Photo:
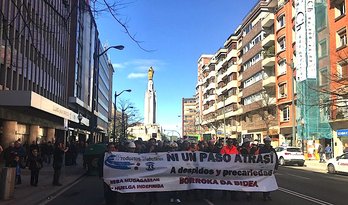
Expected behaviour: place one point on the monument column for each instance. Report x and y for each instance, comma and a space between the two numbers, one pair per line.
9, 133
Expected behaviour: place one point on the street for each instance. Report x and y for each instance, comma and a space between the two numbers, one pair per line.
296, 186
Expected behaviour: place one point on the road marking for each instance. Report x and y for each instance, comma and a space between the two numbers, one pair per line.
308, 198
299, 176
50, 198
208, 202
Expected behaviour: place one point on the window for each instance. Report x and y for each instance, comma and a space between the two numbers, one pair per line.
323, 76
282, 90
342, 70
281, 44
340, 9
281, 67
341, 38
285, 114
322, 49
281, 21
247, 29
321, 16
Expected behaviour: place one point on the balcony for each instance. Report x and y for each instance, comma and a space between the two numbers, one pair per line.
232, 84
268, 41
267, 62
269, 82
268, 20
232, 69
210, 86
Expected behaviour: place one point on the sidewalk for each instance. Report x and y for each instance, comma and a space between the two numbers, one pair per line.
29, 195
312, 165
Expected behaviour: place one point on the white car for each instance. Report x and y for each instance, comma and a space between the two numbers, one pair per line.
290, 155
338, 164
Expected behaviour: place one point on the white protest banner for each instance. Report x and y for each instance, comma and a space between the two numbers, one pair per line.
156, 172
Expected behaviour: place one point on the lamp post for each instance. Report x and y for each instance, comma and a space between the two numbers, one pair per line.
79, 117
302, 134
123, 122
115, 111
96, 83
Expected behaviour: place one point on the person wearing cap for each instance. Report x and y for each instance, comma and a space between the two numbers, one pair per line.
131, 147
267, 148
254, 149
245, 149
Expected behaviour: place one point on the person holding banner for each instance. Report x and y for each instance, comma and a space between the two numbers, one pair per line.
267, 148
109, 195
245, 149
230, 148
174, 195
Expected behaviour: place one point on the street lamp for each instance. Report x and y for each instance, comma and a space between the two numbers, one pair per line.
115, 111
123, 123
302, 133
96, 83
118, 47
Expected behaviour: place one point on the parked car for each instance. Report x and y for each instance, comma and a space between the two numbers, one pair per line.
290, 155
338, 164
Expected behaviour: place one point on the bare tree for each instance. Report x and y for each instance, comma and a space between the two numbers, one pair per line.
266, 109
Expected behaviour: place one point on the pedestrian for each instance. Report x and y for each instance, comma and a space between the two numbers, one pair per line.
34, 163
267, 148
345, 148
8, 156
230, 148
110, 196
58, 155
49, 153
174, 195
244, 150
328, 152
16, 164
321, 152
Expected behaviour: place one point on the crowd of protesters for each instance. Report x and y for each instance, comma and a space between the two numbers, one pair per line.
34, 156
232, 146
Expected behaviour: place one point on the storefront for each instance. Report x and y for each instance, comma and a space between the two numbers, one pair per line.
342, 142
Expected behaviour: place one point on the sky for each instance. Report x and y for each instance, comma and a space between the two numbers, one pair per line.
177, 32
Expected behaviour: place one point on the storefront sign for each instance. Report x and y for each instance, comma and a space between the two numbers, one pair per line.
342, 133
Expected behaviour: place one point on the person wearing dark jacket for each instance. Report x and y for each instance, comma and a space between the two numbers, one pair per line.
35, 164
58, 155
109, 195
267, 148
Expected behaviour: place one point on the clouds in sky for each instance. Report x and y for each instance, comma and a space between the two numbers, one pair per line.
139, 67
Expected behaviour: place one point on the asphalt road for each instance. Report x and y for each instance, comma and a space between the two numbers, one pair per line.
296, 186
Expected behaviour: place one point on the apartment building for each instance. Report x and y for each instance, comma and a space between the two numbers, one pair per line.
257, 72
188, 117
203, 61
335, 75
284, 48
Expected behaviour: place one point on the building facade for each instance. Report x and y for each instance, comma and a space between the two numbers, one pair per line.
291, 76
51, 77
188, 117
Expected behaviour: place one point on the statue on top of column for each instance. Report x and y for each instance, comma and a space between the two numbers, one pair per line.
150, 73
